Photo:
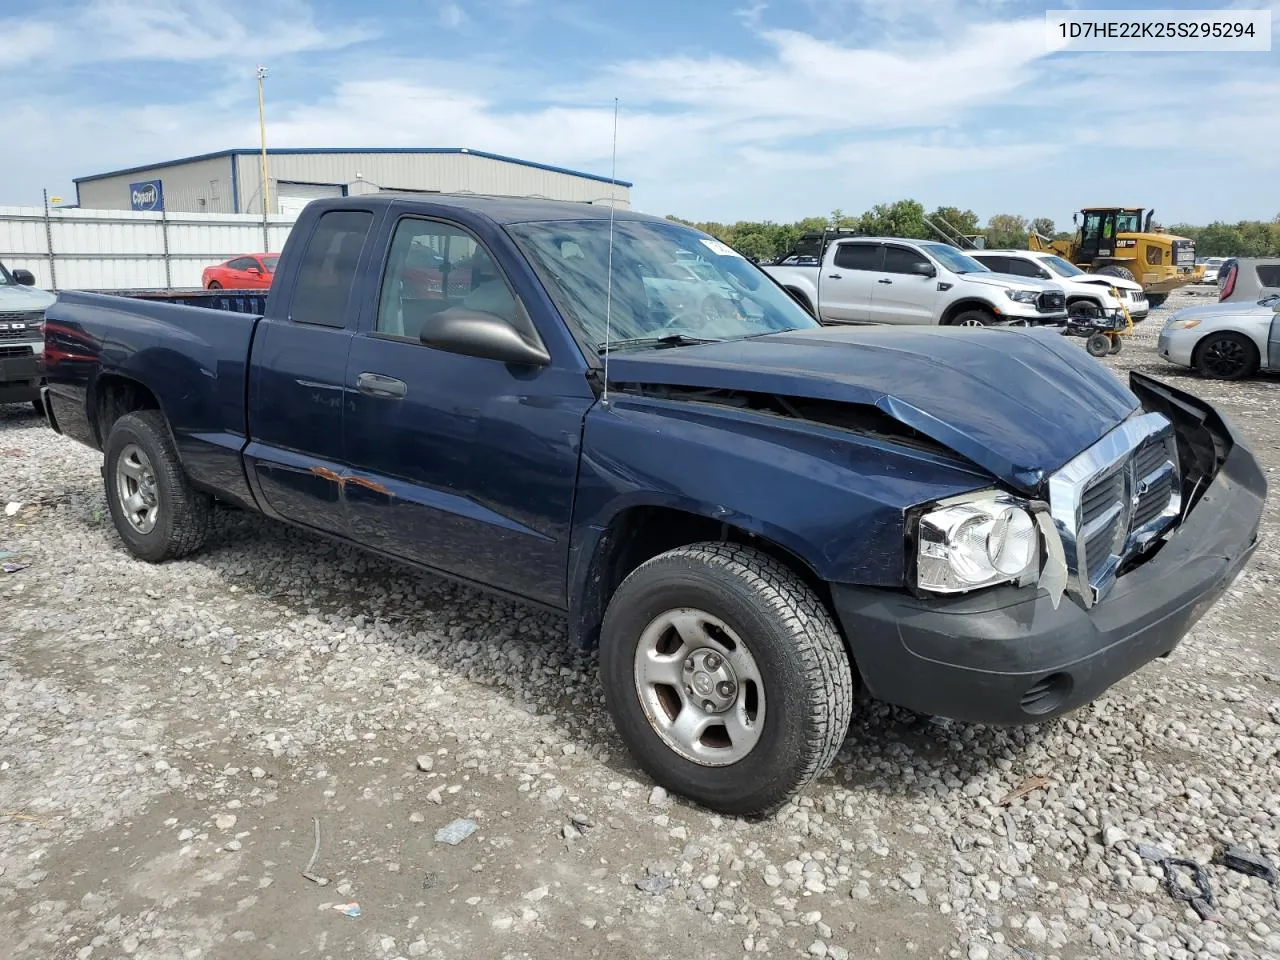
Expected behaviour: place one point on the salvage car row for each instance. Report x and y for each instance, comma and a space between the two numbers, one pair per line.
618, 418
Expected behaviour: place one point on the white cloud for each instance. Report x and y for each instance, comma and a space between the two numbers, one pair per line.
980, 117
452, 16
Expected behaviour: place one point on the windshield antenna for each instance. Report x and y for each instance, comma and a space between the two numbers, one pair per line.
608, 283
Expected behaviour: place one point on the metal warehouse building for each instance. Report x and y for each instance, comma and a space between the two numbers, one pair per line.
231, 181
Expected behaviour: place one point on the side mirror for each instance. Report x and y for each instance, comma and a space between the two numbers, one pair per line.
24, 277
475, 334
254, 270
924, 270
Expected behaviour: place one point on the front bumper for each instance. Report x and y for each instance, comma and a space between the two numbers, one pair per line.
1177, 346
20, 378
1005, 657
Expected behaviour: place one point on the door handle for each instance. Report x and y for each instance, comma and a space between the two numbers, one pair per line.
885, 280
376, 385
835, 276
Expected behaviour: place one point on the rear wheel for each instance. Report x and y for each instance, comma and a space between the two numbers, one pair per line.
1098, 345
972, 318
156, 511
1113, 271
1226, 356
725, 676
1116, 344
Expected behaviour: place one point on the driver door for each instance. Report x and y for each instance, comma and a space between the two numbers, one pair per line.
460, 463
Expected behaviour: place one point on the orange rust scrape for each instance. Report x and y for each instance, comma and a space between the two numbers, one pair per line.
326, 474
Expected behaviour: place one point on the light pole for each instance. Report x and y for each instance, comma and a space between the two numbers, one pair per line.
262, 134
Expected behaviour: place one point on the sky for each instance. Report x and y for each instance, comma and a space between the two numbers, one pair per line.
728, 109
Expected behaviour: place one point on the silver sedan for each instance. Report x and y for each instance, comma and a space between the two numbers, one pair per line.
1225, 341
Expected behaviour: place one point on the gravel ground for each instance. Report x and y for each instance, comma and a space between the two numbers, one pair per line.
171, 736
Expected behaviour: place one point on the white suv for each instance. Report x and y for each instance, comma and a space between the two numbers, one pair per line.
1081, 287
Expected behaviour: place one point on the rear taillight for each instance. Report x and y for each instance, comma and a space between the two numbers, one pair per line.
1228, 284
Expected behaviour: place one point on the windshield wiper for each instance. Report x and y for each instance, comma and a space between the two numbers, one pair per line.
670, 340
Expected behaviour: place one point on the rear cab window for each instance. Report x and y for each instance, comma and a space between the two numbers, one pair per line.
859, 256
327, 272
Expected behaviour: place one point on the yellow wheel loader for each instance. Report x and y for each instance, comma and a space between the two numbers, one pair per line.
1117, 242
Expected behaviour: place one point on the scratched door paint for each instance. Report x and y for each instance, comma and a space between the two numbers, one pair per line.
296, 388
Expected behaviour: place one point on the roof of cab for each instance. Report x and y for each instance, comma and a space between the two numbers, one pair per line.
503, 210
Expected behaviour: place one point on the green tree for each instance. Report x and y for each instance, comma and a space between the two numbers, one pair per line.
1006, 230
902, 218
1043, 225
964, 222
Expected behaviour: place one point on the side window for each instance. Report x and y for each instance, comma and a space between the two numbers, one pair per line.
435, 267
903, 260
992, 262
1024, 268
242, 263
858, 256
1268, 275
328, 269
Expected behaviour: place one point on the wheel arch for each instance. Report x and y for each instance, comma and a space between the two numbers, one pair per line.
111, 396
640, 531
960, 306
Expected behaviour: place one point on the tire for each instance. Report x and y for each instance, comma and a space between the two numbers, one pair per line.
1116, 345
1084, 308
1226, 356
1156, 299
972, 318
1123, 272
214, 285
1098, 345
38, 406
151, 471
802, 682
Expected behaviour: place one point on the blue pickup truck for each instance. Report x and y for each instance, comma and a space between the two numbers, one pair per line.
753, 516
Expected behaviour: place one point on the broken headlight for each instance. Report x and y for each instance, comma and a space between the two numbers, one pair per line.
977, 541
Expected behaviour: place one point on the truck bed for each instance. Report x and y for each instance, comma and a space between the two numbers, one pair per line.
189, 348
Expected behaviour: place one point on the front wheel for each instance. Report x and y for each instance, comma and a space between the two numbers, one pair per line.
726, 676
214, 285
973, 318
1116, 344
1156, 299
156, 511
1226, 356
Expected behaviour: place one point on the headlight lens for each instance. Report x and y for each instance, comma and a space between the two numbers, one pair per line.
977, 542
1023, 296
1183, 324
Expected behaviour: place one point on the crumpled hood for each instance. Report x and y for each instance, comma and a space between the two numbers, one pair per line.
19, 299
993, 279
1018, 402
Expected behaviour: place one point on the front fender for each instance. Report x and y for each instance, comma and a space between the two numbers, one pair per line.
832, 497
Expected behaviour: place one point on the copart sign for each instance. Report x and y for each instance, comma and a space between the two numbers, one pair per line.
146, 195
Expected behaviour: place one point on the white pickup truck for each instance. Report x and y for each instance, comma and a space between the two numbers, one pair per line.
890, 280
22, 309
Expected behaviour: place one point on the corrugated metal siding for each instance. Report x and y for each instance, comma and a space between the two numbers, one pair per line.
185, 186
96, 249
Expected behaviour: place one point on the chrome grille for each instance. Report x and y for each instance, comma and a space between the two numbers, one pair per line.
1115, 499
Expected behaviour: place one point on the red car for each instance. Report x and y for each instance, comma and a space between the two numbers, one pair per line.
253, 271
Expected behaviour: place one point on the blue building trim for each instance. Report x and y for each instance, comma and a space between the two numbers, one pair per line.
235, 183
297, 151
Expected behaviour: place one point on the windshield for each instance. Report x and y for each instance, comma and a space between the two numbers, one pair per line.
953, 259
657, 291
1062, 267
270, 263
